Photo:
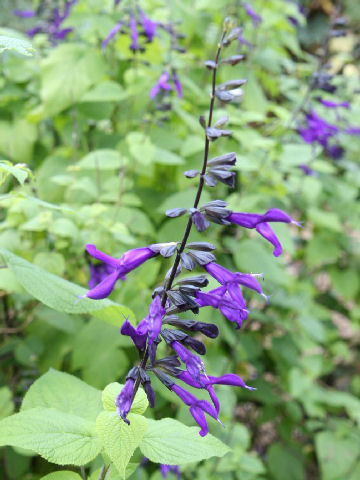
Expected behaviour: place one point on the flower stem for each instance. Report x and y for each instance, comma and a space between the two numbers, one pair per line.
196, 203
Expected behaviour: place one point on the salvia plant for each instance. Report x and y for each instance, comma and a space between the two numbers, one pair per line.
181, 294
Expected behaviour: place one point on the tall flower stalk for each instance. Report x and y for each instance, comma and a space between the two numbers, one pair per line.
185, 294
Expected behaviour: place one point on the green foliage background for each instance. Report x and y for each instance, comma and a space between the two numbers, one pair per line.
87, 158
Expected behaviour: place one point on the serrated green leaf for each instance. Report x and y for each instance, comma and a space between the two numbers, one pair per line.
61, 294
119, 439
19, 45
64, 392
59, 437
112, 390
170, 442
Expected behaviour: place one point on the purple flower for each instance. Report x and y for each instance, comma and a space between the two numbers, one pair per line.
148, 25
198, 408
256, 19
260, 222
234, 309
334, 151
24, 13
98, 273
353, 131
165, 469
307, 170
111, 34
120, 267
208, 382
123, 400
330, 104
161, 85
177, 84
134, 35
317, 130
193, 363
198, 220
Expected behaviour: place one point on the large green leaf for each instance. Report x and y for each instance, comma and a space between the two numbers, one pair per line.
59, 437
169, 441
61, 294
104, 159
64, 392
119, 439
63, 475
19, 45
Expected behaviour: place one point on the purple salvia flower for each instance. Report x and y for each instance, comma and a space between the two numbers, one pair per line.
24, 13
127, 262
197, 408
331, 104
33, 31
111, 34
353, 131
334, 151
208, 382
260, 222
256, 19
177, 84
123, 400
307, 170
98, 273
165, 469
154, 323
193, 363
148, 25
134, 35
318, 130
138, 335
160, 85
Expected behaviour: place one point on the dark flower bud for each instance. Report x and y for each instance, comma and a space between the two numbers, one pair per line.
210, 181
231, 84
188, 289
202, 121
233, 60
214, 133
168, 251
209, 329
171, 362
232, 35
223, 96
214, 203
170, 336
204, 246
340, 22
202, 258
191, 173
168, 273
337, 33
199, 281
223, 176
216, 211
157, 247
227, 159
187, 262
158, 291
133, 373
175, 212
198, 219
211, 65
146, 383
164, 378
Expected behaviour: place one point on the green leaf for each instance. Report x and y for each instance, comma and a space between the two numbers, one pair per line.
61, 294
112, 390
16, 44
20, 172
105, 159
67, 74
105, 92
169, 441
59, 437
336, 455
6, 404
119, 439
165, 157
325, 219
141, 148
64, 392
63, 475
284, 464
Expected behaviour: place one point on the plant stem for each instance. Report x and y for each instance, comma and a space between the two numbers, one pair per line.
196, 203
103, 472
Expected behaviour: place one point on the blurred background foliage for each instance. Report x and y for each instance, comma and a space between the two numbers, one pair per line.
97, 161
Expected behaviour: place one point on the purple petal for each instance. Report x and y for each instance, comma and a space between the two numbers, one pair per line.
104, 288
229, 379
111, 34
24, 13
221, 274
200, 419
138, 335
134, 258
247, 220
267, 232
123, 400
94, 252
330, 104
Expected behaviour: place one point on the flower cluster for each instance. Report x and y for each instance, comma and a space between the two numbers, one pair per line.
49, 21
186, 294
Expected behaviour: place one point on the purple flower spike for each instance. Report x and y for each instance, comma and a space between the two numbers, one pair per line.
165, 469
24, 13
255, 220
256, 19
111, 34
317, 130
123, 400
138, 335
161, 85
197, 408
120, 267
148, 25
353, 131
134, 35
